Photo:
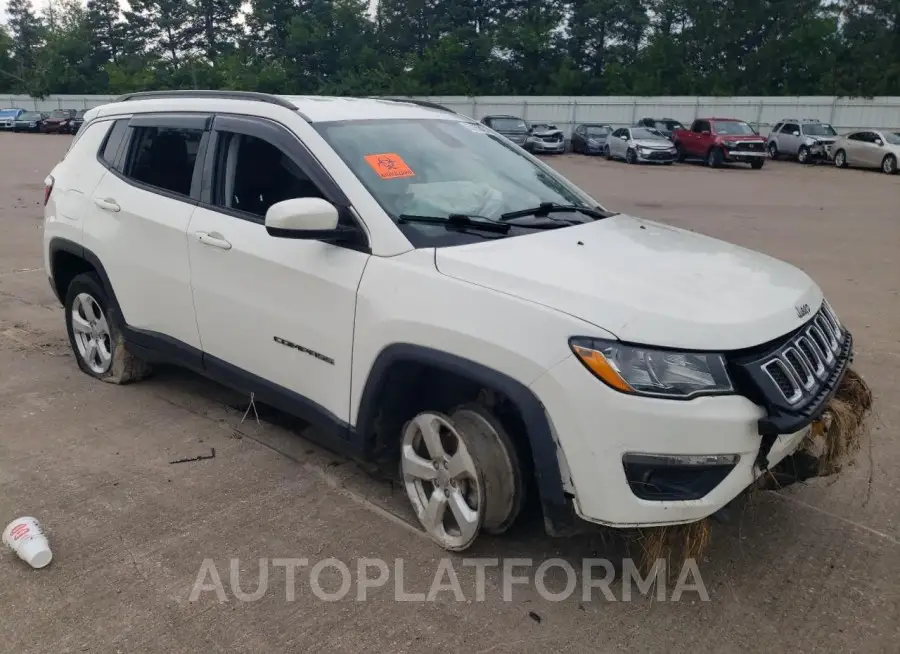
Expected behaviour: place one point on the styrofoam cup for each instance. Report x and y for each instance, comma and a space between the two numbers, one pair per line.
25, 537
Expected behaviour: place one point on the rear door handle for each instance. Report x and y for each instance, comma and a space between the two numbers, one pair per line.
107, 204
215, 240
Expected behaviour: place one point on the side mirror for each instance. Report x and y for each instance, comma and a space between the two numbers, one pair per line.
796, 133
624, 137
303, 218
706, 132
879, 142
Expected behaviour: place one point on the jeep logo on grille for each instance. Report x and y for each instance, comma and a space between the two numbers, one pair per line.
802, 310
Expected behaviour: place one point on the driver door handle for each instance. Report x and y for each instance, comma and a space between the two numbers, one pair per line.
107, 204
213, 239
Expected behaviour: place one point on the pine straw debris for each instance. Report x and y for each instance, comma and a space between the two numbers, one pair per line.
832, 443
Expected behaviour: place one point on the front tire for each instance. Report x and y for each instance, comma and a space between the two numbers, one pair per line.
803, 154
889, 165
461, 474
840, 159
680, 156
608, 153
756, 165
631, 157
714, 159
96, 339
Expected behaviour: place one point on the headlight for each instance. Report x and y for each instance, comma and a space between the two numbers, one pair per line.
658, 373
645, 150
593, 143
729, 145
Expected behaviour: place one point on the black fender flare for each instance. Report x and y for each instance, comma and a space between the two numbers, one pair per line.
558, 513
58, 244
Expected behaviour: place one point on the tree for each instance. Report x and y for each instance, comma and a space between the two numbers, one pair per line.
27, 37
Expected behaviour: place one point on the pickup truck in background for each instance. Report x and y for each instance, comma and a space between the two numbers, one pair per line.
721, 140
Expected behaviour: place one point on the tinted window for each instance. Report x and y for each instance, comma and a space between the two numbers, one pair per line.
790, 128
114, 142
701, 126
511, 124
164, 157
642, 133
777, 127
819, 129
252, 175
734, 128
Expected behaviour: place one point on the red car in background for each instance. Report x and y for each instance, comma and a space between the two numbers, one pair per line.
60, 121
720, 140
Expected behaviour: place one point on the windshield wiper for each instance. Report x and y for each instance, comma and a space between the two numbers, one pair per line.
459, 220
544, 209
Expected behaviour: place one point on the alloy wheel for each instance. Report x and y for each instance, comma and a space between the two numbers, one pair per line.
442, 481
889, 165
91, 331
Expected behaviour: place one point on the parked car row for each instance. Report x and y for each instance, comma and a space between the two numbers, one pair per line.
714, 141
58, 121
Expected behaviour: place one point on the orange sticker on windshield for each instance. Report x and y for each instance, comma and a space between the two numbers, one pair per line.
389, 165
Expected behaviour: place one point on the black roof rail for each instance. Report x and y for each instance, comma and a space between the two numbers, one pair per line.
222, 95
421, 103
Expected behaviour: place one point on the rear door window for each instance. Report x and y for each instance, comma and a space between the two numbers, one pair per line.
164, 157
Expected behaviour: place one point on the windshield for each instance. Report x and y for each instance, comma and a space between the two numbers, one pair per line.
819, 129
640, 133
8, 112
732, 127
509, 124
892, 137
598, 130
429, 167
59, 113
29, 115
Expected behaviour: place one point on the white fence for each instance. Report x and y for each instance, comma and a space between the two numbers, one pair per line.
845, 114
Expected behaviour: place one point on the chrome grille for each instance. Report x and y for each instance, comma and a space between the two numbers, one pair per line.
802, 363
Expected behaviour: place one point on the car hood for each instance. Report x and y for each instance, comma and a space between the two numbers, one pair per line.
547, 132
644, 282
654, 144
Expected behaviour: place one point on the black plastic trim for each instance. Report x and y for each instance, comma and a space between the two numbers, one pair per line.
204, 94
558, 513
179, 120
61, 244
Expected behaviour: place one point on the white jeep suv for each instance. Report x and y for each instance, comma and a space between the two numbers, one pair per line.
432, 296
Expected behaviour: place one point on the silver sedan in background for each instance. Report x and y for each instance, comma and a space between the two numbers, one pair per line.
640, 144
868, 149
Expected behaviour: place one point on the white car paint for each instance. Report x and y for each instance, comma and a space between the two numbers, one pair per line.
510, 305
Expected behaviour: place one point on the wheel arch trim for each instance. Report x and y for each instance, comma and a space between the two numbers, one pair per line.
547, 474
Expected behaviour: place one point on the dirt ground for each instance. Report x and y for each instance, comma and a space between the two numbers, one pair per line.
811, 569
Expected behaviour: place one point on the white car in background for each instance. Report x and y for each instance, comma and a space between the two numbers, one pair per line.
640, 145
434, 298
868, 149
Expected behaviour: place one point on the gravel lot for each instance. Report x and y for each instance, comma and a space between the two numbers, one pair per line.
811, 569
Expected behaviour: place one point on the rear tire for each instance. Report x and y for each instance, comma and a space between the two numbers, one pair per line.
889, 165
95, 336
840, 159
608, 153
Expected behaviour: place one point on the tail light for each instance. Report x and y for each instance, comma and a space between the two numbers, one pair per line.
48, 188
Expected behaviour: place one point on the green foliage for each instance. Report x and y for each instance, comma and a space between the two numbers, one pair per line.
455, 47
